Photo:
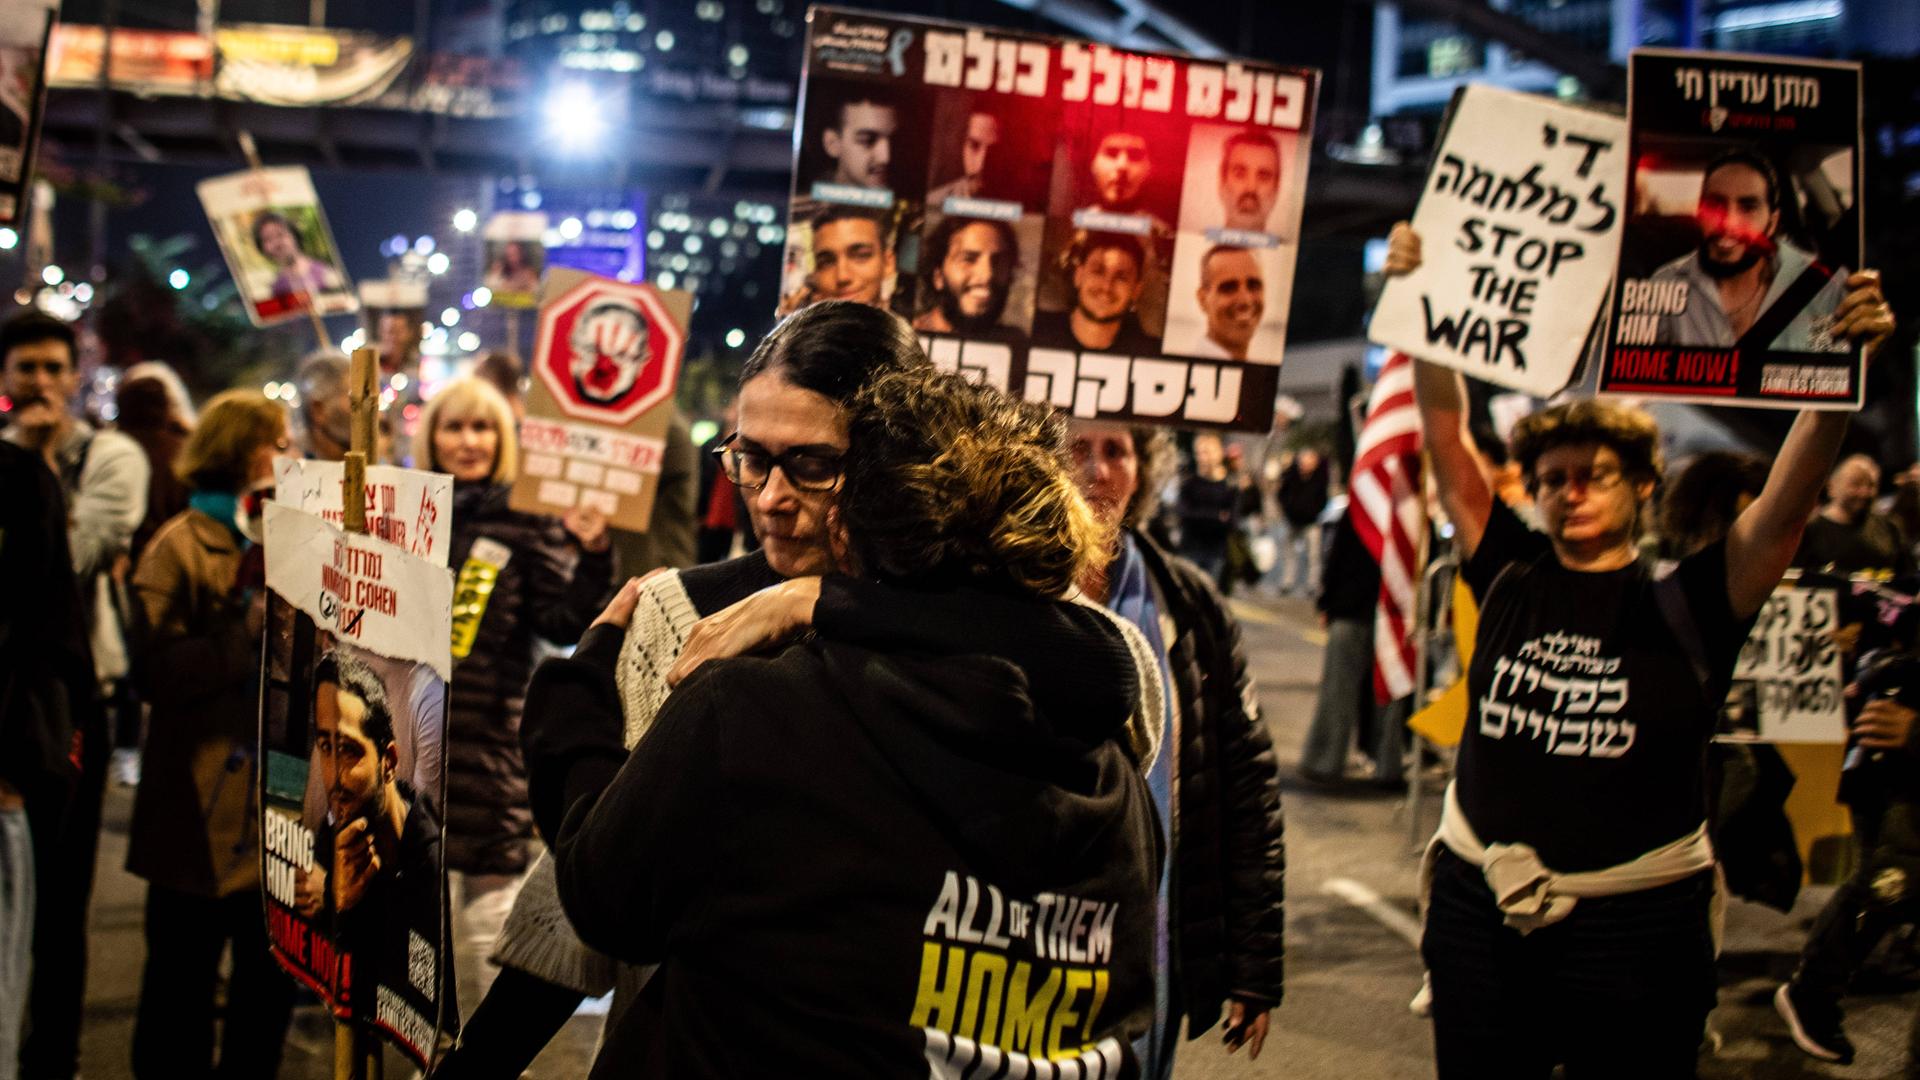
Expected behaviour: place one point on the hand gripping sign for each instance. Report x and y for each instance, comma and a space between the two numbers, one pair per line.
606, 362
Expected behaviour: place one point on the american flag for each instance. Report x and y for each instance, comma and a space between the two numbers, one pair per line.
1388, 512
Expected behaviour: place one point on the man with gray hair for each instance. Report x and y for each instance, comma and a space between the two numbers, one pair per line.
326, 422
1847, 536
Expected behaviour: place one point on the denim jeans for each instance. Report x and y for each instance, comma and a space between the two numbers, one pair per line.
1296, 562
16, 934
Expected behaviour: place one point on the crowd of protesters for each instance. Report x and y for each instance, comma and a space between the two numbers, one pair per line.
896, 650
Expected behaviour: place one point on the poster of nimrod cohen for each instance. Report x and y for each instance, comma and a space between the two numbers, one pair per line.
1744, 222
352, 733
1109, 230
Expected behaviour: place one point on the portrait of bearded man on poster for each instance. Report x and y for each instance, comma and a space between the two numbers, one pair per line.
1745, 266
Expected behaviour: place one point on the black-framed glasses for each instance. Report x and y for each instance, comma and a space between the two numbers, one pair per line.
750, 467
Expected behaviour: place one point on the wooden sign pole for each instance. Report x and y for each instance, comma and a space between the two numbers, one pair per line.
355, 1055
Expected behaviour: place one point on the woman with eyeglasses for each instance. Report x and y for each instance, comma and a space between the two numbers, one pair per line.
518, 577
787, 455
194, 835
910, 843
1570, 889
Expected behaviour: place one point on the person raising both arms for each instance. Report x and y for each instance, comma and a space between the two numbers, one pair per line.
1569, 891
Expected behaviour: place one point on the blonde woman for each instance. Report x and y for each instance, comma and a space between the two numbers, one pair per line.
194, 836
520, 577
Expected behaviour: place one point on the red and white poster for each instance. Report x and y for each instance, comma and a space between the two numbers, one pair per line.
1108, 230
606, 361
352, 796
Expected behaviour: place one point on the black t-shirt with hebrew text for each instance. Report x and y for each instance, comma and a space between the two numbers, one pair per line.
1586, 725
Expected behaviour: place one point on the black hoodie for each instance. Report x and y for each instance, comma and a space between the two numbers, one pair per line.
908, 844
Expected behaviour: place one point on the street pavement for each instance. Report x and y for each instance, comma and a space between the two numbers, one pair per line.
1351, 962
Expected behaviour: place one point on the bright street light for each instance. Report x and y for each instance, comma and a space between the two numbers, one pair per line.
464, 220
574, 116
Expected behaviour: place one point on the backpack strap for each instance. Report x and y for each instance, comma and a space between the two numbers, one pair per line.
1672, 598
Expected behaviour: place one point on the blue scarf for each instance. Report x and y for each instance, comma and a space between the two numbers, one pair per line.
221, 506
1130, 596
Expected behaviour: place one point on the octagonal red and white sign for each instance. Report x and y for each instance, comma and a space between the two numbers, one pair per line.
608, 351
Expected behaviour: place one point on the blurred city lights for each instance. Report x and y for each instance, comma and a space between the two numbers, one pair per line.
482, 296
53, 275
465, 220
179, 279
8, 239
450, 317
438, 262
736, 337
570, 228
469, 341
424, 245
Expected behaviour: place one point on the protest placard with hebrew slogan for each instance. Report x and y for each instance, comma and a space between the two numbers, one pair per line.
1520, 229
352, 795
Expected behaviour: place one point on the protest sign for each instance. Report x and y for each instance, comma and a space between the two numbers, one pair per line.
277, 244
353, 737
1745, 224
25, 28
1789, 678
606, 361
409, 508
1520, 229
515, 257
1109, 230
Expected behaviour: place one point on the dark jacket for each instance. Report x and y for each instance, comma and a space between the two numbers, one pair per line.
1350, 578
548, 588
46, 668
1229, 855
1302, 495
831, 849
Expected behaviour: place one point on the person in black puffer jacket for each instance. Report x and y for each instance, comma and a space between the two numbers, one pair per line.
1216, 773
519, 577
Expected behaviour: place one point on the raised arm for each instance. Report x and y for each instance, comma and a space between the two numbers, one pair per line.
1765, 535
1442, 398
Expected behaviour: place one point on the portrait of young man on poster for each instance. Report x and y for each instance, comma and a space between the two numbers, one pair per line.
970, 278
381, 855
849, 256
1109, 272
1746, 282
857, 134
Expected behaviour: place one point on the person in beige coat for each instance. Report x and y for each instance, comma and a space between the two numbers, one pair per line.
195, 834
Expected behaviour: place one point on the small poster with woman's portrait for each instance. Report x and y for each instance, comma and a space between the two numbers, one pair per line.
515, 257
277, 244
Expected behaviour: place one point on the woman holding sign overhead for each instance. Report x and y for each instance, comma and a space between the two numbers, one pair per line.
518, 577
1570, 899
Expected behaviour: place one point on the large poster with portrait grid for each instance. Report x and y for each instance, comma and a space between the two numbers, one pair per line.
1109, 230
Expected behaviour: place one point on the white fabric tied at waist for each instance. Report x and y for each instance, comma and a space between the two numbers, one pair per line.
1531, 895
